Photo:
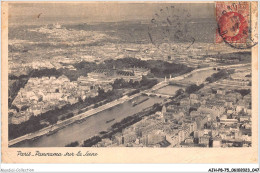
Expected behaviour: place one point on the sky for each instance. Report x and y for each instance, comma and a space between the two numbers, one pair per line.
100, 11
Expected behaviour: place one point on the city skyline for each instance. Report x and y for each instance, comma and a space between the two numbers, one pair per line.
39, 13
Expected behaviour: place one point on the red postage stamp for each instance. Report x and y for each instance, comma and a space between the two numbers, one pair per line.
233, 23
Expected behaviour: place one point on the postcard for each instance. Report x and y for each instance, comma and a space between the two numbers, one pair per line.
130, 82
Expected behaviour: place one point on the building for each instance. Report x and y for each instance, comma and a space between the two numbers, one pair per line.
153, 138
221, 92
118, 139
129, 137
204, 140
217, 142
21, 117
228, 121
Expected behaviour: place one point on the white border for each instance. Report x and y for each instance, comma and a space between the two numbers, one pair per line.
123, 167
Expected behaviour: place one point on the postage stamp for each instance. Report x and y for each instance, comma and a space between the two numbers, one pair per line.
234, 24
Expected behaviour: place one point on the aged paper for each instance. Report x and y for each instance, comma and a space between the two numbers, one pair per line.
129, 82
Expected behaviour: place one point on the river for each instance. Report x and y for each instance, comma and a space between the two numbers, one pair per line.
199, 77
168, 90
98, 122
92, 125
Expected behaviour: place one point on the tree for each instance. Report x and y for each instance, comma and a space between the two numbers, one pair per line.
243, 92
179, 92
216, 76
70, 115
193, 88
192, 109
15, 107
80, 99
24, 108
101, 92
72, 144
10, 114
30, 128
210, 79
150, 75
131, 83
136, 84
53, 119
40, 99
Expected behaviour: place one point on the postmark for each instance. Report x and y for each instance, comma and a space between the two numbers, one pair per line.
235, 26
169, 30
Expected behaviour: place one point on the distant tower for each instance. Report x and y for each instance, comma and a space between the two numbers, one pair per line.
114, 70
170, 76
165, 79
134, 70
163, 110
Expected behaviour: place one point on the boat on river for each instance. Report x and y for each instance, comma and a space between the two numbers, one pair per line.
135, 103
108, 121
51, 132
80, 121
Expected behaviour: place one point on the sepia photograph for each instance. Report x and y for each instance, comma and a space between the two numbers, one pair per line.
130, 75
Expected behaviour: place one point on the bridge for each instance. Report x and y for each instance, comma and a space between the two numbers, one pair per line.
170, 82
159, 85
157, 94
180, 83
177, 80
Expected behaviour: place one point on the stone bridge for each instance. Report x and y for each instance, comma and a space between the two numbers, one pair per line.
157, 94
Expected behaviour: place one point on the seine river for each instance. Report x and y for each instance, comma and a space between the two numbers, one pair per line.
103, 120
92, 125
